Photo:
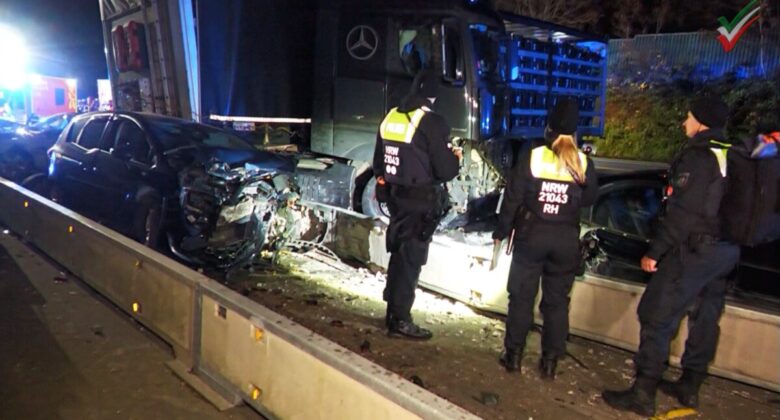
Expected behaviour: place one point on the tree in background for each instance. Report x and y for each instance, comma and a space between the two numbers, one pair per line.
662, 14
578, 14
629, 17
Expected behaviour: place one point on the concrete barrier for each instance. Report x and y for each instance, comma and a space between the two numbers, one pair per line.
602, 309
228, 347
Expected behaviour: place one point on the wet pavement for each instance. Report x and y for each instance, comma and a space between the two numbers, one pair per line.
67, 353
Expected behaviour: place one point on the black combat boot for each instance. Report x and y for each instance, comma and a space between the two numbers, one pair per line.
640, 398
399, 328
510, 359
547, 367
686, 389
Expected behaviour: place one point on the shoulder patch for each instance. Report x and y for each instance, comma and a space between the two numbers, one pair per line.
681, 180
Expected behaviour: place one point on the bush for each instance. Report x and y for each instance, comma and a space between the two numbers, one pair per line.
645, 122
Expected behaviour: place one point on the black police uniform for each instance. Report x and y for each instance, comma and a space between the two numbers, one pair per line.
412, 154
693, 264
542, 203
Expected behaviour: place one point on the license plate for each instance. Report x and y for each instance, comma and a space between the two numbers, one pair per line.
243, 126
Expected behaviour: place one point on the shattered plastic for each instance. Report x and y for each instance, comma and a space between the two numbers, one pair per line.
226, 213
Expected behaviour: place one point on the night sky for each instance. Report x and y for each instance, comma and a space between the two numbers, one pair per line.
63, 36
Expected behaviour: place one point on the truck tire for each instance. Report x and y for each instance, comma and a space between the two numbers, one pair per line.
368, 202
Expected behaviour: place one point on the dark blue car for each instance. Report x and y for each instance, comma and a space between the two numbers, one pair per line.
202, 191
23, 147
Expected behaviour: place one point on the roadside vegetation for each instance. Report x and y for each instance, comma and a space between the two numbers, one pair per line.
643, 121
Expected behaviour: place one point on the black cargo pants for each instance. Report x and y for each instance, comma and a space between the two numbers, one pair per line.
408, 239
690, 280
549, 252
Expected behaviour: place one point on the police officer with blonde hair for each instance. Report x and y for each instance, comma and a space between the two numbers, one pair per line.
413, 159
545, 191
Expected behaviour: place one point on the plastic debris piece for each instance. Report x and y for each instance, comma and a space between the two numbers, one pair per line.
489, 398
418, 381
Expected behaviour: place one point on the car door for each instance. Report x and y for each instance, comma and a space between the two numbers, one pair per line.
622, 221
74, 163
123, 166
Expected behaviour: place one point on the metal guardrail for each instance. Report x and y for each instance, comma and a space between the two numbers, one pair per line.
228, 347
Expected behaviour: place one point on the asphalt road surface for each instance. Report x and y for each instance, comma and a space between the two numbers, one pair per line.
67, 353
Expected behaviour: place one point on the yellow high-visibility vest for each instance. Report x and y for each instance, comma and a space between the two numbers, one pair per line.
400, 126
544, 165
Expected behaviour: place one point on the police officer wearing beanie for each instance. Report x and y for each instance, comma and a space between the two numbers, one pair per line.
689, 263
413, 159
545, 191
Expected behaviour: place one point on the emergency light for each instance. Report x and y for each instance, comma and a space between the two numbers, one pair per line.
13, 56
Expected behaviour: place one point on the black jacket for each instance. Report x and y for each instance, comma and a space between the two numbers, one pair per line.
696, 185
432, 138
519, 192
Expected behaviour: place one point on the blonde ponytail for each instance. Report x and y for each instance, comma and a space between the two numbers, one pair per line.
565, 148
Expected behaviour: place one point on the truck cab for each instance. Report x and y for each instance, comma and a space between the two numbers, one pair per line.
500, 73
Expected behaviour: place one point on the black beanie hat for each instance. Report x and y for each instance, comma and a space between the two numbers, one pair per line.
562, 119
710, 111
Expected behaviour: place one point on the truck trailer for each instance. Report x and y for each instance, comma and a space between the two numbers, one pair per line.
330, 70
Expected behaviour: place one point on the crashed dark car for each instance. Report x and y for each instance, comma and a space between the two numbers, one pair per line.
23, 152
618, 225
201, 192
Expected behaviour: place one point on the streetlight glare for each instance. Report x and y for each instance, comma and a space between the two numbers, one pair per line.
13, 55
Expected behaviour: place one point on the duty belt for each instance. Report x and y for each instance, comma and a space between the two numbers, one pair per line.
415, 193
703, 238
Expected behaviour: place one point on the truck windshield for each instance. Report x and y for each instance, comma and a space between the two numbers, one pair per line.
173, 134
486, 53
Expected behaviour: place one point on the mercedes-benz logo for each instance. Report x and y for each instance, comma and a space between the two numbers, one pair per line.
362, 42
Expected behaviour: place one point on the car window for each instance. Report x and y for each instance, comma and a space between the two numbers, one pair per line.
92, 133
629, 210
130, 136
7, 124
54, 122
75, 129
173, 134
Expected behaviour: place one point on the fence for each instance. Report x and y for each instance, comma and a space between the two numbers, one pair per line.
695, 57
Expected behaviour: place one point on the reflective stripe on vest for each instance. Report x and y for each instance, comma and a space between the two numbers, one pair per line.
544, 164
397, 125
720, 155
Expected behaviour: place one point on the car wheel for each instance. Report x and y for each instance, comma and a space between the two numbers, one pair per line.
16, 165
372, 207
146, 225
39, 184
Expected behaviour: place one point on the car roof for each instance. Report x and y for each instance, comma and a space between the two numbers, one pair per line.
641, 175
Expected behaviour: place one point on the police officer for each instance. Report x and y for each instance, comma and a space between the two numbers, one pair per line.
689, 265
413, 159
545, 191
